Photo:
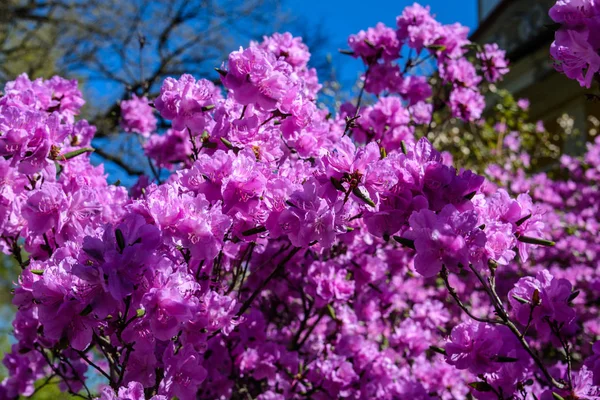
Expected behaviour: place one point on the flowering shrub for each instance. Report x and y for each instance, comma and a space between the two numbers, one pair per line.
290, 253
568, 197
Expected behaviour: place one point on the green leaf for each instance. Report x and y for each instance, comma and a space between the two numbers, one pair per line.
520, 299
369, 43
438, 350
120, 239
86, 311
331, 312
557, 396
522, 220
574, 295
541, 242
436, 47
39, 272
337, 184
59, 169
254, 231
503, 359
405, 242
140, 312
208, 107
472, 46
227, 143
346, 52
75, 153
481, 386
358, 193
385, 343
382, 152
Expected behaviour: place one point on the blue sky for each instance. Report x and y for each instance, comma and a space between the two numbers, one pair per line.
340, 18
343, 17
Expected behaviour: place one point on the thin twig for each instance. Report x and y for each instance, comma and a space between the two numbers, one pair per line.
452, 291
350, 121
264, 283
90, 362
312, 328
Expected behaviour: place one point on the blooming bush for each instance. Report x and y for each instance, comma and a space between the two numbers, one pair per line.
568, 197
292, 251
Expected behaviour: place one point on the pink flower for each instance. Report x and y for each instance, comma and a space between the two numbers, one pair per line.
446, 239
575, 56
256, 77
551, 301
183, 373
137, 116
493, 62
466, 104
375, 43
170, 303
45, 208
287, 46
186, 102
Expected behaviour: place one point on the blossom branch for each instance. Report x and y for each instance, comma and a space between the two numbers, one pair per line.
499, 307
444, 275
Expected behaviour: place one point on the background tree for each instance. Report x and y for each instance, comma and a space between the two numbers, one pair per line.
117, 48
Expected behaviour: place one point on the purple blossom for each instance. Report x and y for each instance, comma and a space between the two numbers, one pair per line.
183, 373
523, 104
375, 43
417, 27
185, 102
475, 346
460, 72
291, 48
170, 303
331, 284
493, 62
575, 45
45, 208
309, 219
544, 298
466, 104
137, 116
256, 77
133, 391
446, 238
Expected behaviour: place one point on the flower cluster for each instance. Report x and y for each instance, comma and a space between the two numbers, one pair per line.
575, 47
290, 254
570, 205
137, 116
392, 120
